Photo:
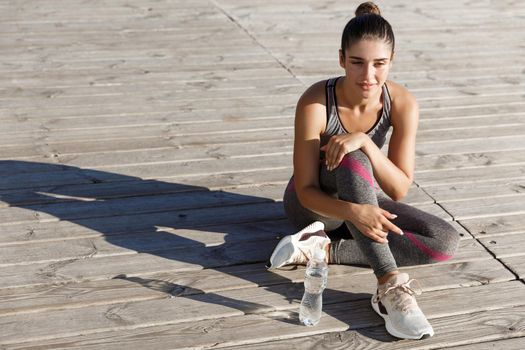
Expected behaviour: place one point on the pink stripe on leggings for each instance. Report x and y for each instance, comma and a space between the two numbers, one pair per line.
355, 166
437, 256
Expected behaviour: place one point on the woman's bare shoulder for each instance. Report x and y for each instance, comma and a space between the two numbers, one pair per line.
311, 109
400, 96
314, 94
404, 105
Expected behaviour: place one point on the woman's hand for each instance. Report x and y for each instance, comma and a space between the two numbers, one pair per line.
339, 146
374, 222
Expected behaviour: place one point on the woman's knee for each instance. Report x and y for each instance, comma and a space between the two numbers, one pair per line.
357, 164
447, 239
452, 238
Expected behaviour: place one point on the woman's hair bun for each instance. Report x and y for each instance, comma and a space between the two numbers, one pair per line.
367, 8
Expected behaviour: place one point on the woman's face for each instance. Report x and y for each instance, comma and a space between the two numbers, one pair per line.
366, 64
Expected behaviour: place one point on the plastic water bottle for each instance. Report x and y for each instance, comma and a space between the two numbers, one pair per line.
315, 280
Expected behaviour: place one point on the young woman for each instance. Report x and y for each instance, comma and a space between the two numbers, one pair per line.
341, 176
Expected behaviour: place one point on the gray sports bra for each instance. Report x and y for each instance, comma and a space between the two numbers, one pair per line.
334, 126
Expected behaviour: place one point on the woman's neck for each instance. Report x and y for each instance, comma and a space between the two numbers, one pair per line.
350, 98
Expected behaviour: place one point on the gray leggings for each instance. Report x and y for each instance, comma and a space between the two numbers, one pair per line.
427, 238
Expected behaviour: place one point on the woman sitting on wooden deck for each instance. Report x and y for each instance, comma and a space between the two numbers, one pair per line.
341, 176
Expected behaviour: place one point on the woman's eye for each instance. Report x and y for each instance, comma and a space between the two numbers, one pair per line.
356, 62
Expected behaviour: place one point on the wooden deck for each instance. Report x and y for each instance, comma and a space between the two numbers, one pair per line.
146, 145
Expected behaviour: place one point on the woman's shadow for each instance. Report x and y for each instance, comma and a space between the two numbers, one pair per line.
150, 217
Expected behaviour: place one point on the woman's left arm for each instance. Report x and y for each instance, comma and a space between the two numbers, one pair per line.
395, 173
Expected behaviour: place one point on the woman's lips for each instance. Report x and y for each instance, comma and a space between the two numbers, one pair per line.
365, 86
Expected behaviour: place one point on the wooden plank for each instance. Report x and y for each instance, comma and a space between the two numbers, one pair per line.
430, 152
184, 120
233, 102
495, 225
90, 268
78, 95
51, 231
159, 286
241, 330
80, 209
470, 146
432, 277
468, 329
516, 264
268, 187
184, 89
507, 344
471, 133
188, 114
470, 191
148, 222
448, 177
260, 130
212, 167
16, 174
505, 245
76, 193
153, 238
26, 228
182, 169
483, 207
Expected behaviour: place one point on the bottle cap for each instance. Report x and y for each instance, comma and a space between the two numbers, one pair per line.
319, 254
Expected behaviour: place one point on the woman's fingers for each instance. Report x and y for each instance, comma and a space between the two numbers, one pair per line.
333, 155
391, 227
331, 150
387, 224
377, 235
380, 237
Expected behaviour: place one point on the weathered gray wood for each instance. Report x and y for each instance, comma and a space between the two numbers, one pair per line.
187, 198
169, 141
159, 286
496, 225
446, 177
151, 237
186, 169
267, 187
507, 344
516, 264
146, 222
126, 206
505, 245
98, 96
87, 267
483, 207
474, 328
464, 191
252, 328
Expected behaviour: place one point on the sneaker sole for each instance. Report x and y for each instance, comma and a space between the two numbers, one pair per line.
390, 328
284, 243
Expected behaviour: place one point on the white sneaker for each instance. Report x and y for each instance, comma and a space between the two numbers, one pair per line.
298, 248
395, 302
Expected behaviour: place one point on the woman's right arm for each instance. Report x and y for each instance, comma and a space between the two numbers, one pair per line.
310, 121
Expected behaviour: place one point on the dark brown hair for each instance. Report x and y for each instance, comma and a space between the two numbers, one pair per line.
367, 24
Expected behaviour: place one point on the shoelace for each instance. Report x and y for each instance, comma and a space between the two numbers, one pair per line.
399, 303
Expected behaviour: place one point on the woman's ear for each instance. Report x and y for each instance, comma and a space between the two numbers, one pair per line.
341, 59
